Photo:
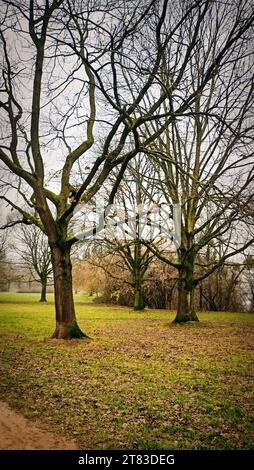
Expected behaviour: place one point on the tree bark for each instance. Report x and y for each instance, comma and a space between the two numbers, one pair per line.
43, 290
139, 303
185, 309
201, 297
66, 323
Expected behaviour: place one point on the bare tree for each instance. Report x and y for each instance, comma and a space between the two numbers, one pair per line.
10, 271
121, 243
125, 262
33, 249
222, 290
74, 58
204, 158
249, 280
3, 239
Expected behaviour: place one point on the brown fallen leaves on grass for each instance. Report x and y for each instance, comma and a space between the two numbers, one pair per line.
141, 383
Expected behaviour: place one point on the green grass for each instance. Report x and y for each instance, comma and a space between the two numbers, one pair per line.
140, 383
25, 298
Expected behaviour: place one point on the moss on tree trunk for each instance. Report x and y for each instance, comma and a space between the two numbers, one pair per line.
66, 323
139, 303
185, 308
43, 291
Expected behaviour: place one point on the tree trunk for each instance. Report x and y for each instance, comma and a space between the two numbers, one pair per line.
66, 323
185, 310
200, 297
43, 290
139, 303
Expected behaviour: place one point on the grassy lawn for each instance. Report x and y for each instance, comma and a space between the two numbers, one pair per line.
139, 383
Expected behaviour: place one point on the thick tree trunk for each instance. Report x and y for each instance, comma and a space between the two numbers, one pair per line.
43, 290
139, 303
66, 324
201, 297
185, 310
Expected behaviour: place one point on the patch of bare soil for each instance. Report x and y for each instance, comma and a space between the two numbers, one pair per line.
19, 433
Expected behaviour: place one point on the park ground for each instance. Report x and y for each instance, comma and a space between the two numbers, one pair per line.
140, 382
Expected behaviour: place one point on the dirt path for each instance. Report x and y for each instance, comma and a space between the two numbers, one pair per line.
18, 433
